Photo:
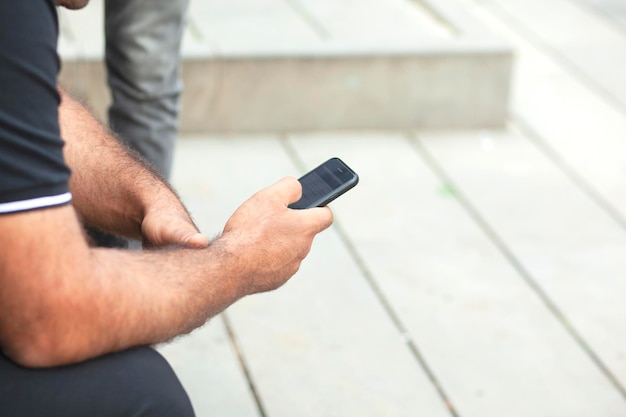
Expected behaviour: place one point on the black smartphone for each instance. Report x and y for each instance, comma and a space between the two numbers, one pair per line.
325, 183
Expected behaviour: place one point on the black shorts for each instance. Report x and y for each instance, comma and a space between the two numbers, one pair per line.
135, 383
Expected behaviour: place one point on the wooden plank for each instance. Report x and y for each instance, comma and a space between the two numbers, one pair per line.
614, 10
210, 372
368, 20
574, 32
569, 247
84, 30
584, 130
205, 361
322, 345
213, 25
249, 26
493, 345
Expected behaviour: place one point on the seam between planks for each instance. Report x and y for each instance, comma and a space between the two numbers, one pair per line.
243, 364
379, 294
508, 254
601, 13
567, 169
553, 53
297, 7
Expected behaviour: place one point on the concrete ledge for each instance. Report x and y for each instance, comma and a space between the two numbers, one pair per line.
333, 92
454, 75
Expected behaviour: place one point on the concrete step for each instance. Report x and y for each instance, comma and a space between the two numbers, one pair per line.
289, 65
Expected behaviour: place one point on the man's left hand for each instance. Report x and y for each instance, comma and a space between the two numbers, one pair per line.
171, 226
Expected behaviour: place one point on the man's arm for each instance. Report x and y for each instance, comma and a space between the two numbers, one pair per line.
114, 190
63, 302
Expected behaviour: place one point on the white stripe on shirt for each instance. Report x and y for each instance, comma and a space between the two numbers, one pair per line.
35, 203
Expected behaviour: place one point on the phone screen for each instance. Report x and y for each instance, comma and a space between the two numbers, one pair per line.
325, 183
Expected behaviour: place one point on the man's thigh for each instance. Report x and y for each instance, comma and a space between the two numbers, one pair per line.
137, 383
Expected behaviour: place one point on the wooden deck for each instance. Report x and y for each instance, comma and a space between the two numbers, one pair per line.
470, 273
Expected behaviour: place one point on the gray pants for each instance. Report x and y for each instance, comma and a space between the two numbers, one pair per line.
143, 40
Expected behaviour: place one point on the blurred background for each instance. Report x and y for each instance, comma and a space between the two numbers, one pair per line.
478, 269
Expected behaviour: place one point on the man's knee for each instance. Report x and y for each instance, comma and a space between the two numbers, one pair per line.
134, 383
144, 381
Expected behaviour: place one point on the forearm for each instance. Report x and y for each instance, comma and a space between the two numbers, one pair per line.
74, 302
111, 187
135, 298
85, 302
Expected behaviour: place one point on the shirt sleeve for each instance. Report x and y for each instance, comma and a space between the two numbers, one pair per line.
33, 173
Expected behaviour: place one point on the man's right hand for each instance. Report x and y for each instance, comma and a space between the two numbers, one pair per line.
269, 239
74, 302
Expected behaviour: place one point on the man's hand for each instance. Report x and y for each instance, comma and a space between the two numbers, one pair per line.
271, 240
116, 192
170, 225
75, 302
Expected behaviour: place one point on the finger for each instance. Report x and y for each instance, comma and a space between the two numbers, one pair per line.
319, 217
196, 241
184, 233
288, 190
172, 231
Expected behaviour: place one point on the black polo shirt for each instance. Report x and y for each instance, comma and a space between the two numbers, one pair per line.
33, 173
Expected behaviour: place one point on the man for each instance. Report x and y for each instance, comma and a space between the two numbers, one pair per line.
143, 42
73, 319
